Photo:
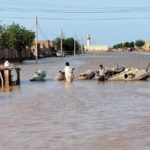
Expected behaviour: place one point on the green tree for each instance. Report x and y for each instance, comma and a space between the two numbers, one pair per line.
126, 44
1, 35
131, 44
3, 40
117, 46
139, 43
68, 44
57, 43
19, 38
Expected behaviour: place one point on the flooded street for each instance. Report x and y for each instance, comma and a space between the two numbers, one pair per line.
84, 115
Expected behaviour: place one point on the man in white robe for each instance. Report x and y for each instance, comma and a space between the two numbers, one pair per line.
68, 72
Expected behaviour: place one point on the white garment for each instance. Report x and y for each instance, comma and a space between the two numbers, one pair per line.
13, 74
102, 72
68, 73
6, 64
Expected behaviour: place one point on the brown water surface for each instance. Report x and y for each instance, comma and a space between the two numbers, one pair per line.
84, 115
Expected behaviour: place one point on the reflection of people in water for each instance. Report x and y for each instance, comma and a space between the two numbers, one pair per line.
68, 84
68, 72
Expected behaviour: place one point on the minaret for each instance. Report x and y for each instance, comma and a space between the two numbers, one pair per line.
88, 40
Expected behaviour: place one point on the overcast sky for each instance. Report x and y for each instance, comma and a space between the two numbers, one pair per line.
107, 21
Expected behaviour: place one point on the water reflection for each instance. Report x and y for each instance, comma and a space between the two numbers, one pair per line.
81, 115
7, 89
68, 84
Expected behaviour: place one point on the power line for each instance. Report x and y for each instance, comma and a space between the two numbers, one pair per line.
79, 11
69, 5
81, 19
42, 33
82, 7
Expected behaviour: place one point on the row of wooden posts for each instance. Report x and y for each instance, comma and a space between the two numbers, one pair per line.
6, 76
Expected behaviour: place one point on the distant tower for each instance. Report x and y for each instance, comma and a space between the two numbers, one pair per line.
88, 40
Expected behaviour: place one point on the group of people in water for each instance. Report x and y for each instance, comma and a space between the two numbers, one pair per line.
65, 74
68, 75
102, 74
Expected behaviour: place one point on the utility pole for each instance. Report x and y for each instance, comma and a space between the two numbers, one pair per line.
36, 41
75, 45
82, 45
61, 42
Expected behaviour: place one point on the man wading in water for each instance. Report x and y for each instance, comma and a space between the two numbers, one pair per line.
102, 72
68, 72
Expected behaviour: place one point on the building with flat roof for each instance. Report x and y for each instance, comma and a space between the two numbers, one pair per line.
146, 46
89, 47
45, 47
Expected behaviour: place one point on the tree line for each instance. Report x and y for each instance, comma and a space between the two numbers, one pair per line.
138, 44
15, 37
19, 39
68, 45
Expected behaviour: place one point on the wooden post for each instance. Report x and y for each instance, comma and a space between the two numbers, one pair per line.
6, 77
18, 76
1, 77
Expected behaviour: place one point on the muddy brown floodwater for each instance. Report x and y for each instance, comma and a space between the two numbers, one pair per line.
84, 115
